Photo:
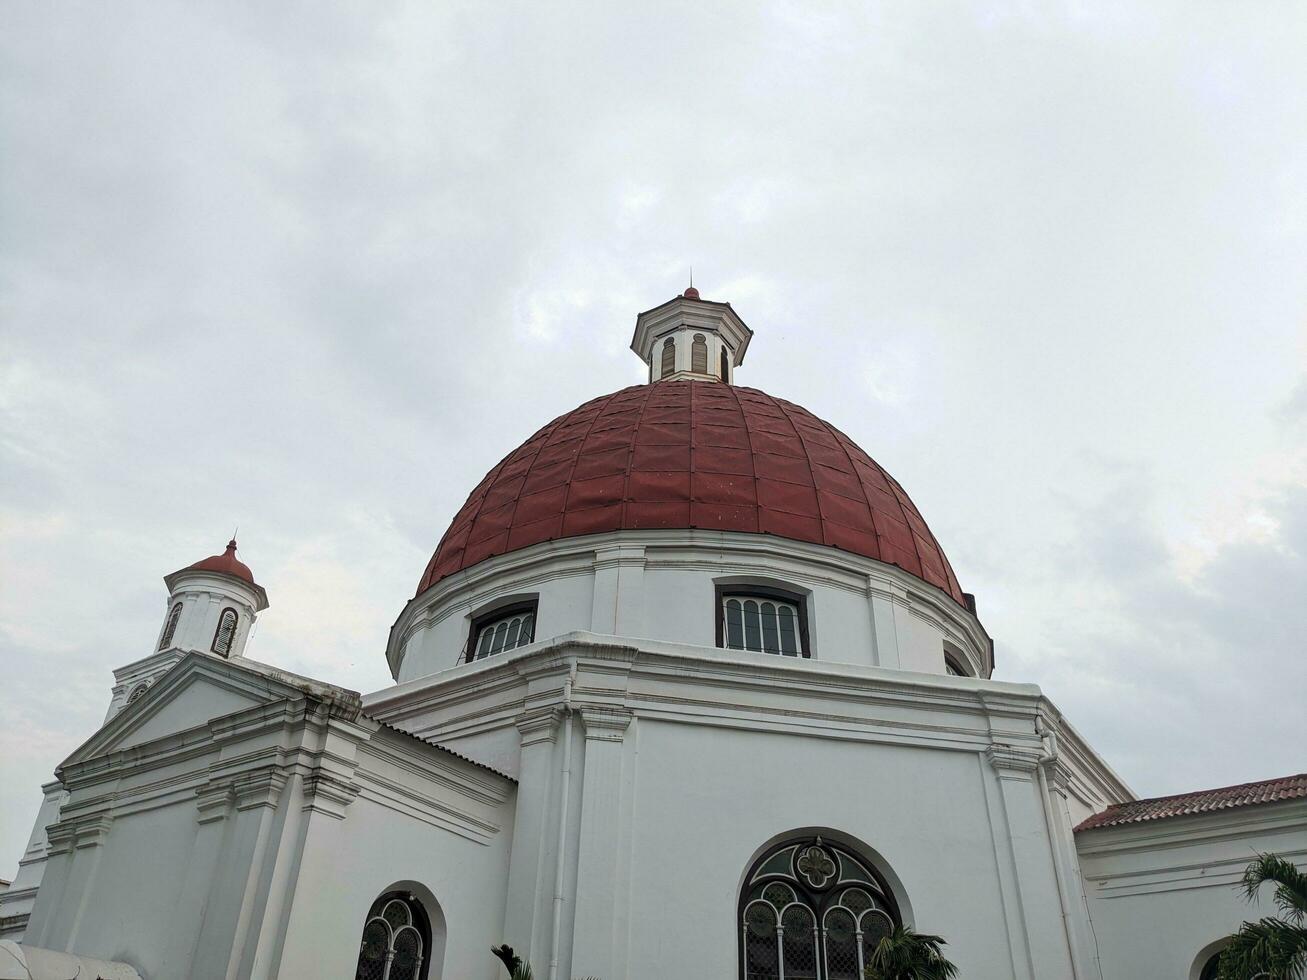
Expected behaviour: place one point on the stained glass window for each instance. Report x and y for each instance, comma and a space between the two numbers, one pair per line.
396, 937
812, 910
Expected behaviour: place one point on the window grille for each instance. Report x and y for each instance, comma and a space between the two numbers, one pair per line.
137, 692
225, 632
669, 358
396, 938
699, 355
811, 910
170, 627
504, 630
764, 624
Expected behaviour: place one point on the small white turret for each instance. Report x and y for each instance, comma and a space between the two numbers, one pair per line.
212, 606
691, 338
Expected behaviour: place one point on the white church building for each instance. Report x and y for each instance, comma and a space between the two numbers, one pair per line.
688, 689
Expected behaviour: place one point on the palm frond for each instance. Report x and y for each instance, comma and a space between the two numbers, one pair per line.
908, 955
1290, 884
1270, 947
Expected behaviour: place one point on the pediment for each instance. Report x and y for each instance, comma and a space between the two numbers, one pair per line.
199, 688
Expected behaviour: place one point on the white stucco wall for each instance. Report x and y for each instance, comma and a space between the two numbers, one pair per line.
685, 761
660, 585
456, 863
1164, 894
207, 831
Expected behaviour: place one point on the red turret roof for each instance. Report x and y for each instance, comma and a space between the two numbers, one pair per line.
226, 564
692, 454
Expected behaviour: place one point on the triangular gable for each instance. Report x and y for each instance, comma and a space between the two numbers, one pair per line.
199, 688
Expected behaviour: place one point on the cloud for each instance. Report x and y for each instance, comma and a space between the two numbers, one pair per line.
1180, 684
316, 274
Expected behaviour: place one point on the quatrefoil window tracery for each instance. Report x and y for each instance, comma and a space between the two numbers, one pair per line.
816, 865
812, 910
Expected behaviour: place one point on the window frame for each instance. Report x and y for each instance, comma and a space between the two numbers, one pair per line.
421, 925
666, 369
698, 348
817, 899
745, 591
235, 627
508, 611
170, 624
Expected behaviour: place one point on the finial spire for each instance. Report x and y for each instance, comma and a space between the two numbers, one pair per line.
691, 292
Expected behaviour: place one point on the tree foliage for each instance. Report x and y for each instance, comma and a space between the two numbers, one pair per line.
1274, 948
908, 955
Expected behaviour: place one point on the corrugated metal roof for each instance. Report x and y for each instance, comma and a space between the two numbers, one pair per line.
443, 748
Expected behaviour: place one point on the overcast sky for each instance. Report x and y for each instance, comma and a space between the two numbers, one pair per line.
314, 272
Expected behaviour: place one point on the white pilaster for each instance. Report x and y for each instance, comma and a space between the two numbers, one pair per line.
594, 936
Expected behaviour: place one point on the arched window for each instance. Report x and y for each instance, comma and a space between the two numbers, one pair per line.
396, 940
811, 909
726, 365
225, 632
138, 691
502, 630
170, 626
762, 620
669, 358
699, 355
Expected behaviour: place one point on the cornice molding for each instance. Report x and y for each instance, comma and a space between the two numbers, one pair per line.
76, 832
255, 790
605, 723
1014, 761
211, 802
329, 794
540, 725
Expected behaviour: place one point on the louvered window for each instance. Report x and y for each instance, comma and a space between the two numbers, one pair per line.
501, 630
170, 626
226, 632
669, 358
699, 355
765, 622
396, 940
726, 366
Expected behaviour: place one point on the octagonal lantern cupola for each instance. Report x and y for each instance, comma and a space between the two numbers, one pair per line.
691, 338
212, 606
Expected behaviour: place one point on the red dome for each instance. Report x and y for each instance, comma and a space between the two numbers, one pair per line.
692, 454
226, 563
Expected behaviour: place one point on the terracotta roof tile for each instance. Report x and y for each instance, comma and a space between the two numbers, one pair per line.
1203, 801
